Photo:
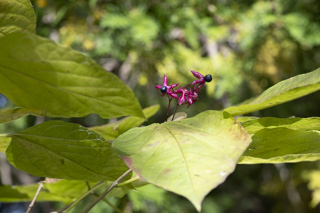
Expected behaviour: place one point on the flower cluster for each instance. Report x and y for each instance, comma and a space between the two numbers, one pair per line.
187, 94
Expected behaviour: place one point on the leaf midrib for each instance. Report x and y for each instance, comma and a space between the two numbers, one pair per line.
185, 160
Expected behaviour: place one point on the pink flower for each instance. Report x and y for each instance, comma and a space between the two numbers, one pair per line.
192, 97
202, 80
186, 95
167, 89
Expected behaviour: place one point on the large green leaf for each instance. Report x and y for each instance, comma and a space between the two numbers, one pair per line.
113, 130
37, 73
282, 140
63, 150
189, 157
16, 15
282, 92
7, 115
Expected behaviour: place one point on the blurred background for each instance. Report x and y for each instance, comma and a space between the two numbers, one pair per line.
247, 46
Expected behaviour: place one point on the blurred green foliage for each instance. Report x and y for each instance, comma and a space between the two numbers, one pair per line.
246, 45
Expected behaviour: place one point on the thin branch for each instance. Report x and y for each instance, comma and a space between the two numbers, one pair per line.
35, 197
114, 184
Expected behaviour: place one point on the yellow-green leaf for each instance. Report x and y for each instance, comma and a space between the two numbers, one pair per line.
282, 145
7, 115
64, 150
16, 16
37, 73
113, 130
4, 143
189, 157
282, 92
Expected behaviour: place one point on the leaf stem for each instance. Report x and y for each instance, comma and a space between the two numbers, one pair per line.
127, 182
5, 135
114, 184
175, 112
170, 99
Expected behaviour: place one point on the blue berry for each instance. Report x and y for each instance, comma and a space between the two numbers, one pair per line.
163, 89
208, 78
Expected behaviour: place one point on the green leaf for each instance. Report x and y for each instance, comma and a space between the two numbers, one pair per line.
15, 16
74, 188
26, 193
113, 130
282, 92
253, 126
7, 115
8, 194
64, 191
189, 157
4, 142
66, 188
37, 73
63, 150
282, 145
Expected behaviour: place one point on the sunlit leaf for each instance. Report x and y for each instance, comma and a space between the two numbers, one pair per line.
189, 157
37, 73
4, 142
7, 115
64, 191
282, 145
282, 140
252, 126
113, 130
26, 193
63, 150
74, 188
282, 92
8, 194
243, 119
16, 15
